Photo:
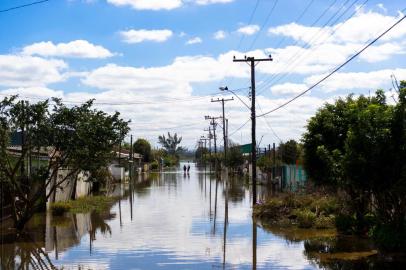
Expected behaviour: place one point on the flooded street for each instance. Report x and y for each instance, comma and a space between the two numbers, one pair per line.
168, 220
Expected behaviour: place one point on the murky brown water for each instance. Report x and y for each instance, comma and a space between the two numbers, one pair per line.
174, 221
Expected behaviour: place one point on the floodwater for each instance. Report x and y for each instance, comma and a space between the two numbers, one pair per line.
172, 220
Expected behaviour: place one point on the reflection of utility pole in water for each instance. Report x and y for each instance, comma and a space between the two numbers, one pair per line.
131, 176
119, 210
210, 197
215, 207
254, 244
225, 223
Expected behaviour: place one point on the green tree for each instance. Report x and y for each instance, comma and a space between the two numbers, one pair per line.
359, 145
234, 156
143, 147
78, 138
170, 144
289, 152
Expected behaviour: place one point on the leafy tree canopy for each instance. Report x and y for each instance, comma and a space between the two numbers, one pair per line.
143, 147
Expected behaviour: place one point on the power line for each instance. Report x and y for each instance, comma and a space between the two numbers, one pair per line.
337, 68
263, 24
23, 6
297, 20
141, 102
243, 125
267, 123
294, 59
297, 58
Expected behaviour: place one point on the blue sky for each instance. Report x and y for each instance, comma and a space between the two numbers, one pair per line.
159, 62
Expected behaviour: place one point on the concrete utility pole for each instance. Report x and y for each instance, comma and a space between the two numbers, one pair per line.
252, 61
222, 100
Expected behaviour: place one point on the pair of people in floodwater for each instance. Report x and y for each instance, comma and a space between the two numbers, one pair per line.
186, 169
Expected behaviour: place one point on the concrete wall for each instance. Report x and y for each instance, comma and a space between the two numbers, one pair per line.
67, 189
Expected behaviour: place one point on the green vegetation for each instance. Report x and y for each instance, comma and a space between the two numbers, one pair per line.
59, 208
84, 205
358, 146
171, 151
301, 210
80, 138
143, 147
290, 152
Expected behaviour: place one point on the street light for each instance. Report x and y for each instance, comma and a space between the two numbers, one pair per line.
225, 88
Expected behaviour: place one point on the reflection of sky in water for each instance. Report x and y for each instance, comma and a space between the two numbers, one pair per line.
172, 229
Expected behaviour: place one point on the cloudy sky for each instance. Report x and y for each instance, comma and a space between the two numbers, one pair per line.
159, 62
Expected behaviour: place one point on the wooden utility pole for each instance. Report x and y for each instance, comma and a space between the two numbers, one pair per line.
222, 100
214, 124
252, 61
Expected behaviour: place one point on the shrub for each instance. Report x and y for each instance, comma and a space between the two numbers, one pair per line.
323, 222
326, 205
305, 218
389, 239
345, 223
154, 165
60, 208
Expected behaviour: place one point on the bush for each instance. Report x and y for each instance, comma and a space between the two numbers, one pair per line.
323, 222
305, 218
154, 165
326, 205
345, 223
389, 239
60, 208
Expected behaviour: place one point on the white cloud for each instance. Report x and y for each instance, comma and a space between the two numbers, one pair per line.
194, 40
359, 29
76, 49
26, 71
148, 4
137, 36
288, 88
382, 7
208, 2
358, 80
162, 4
248, 29
219, 35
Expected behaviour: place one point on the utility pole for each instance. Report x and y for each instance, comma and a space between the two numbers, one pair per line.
252, 61
222, 100
214, 124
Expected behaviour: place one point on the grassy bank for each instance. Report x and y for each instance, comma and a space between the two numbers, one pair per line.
84, 205
304, 211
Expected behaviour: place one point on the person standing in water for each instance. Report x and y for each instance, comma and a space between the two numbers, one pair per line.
188, 167
184, 168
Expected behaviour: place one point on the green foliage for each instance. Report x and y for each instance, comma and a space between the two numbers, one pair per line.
359, 145
302, 210
388, 239
59, 208
234, 156
305, 218
170, 161
345, 223
143, 147
78, 138
324, 222
170, 144
84, 205
201, 152
290, 152
154, 165
326, 205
